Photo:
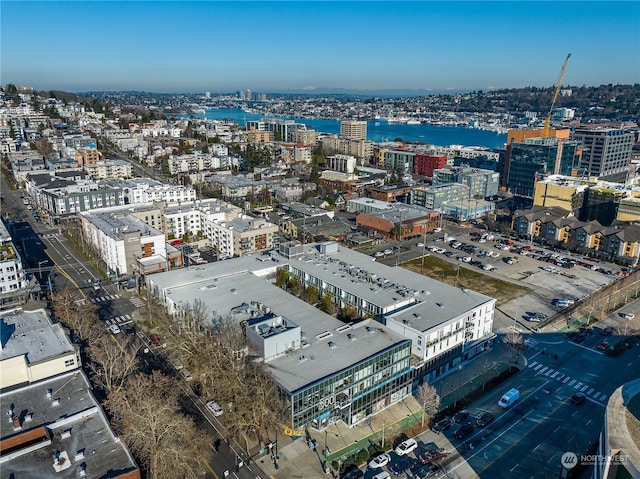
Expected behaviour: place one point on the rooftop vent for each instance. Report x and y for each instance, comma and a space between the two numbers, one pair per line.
324, 335
65, 434
332, 345
370, 329
352, 337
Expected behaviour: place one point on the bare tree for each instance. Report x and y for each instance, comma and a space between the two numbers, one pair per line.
146, 415
79, 316
111, 363
429, 401
514, 342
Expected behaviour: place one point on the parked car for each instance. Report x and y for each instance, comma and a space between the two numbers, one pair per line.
382, 475
420, 245
463, 431
606, 331
422, 471
460, 416
484, 419
578, 398
115, 329
603, 346
427, 457
442, 425
406, 447
579, 338
379, 461
352, 472
215, 408
400, 466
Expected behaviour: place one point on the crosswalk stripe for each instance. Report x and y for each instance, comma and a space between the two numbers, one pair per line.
572, 382
584, 389
577, 386
537, 367
533, 364
548, 372
590, 391
555, 374
565, 380
543, 370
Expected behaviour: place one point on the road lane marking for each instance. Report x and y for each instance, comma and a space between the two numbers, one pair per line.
513, 468
587, 423
536, 448
556, 429
551, 458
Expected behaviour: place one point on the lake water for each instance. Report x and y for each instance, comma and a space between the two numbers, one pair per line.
383, 131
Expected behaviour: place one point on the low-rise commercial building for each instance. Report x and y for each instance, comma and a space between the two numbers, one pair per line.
328, 370
55, 427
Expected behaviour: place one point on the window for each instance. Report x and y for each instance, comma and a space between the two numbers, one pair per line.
69, 362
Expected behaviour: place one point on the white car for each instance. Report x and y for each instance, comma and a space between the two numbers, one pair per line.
420, 245
215, 408
406, 447
382, 475
437, 230
379, 461
114, 328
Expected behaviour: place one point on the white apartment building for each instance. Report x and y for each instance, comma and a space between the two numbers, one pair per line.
185, 217
13, 282
109, 169
146, 190
467, 152
342, 163
125, 243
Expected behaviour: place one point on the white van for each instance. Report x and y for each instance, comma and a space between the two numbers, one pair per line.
509, 398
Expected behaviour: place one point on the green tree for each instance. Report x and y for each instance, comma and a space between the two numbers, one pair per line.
328, 304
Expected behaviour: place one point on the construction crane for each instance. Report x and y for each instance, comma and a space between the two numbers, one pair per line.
547, 120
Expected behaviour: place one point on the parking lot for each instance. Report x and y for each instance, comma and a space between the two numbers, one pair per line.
548, 274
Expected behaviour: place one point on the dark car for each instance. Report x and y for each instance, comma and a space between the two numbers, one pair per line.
400, 466
578, 338
422, 471
578, 398
484, 419
463, 431
442, 425
606, 331
460, 416
427, 457
352, 472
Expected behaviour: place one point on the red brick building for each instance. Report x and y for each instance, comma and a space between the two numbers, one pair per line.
424, 165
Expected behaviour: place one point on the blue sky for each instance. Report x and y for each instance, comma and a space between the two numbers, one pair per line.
284, 46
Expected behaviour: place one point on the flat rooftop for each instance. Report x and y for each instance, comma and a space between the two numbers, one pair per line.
390, 288
31, 333
62, 417
229, 295
116, 224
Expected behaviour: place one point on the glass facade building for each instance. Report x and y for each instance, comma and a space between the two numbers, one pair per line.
358, 391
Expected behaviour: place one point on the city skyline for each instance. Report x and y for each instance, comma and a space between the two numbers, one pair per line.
425, 47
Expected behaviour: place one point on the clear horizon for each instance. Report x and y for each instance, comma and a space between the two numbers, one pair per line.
425, 47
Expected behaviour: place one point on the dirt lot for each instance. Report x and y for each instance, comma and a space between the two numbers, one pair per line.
446, 272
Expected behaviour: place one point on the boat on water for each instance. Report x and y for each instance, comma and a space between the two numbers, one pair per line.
413, 122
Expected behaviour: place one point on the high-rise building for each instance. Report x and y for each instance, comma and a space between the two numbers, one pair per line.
606, 152
519, 136
354, 129
535, 158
